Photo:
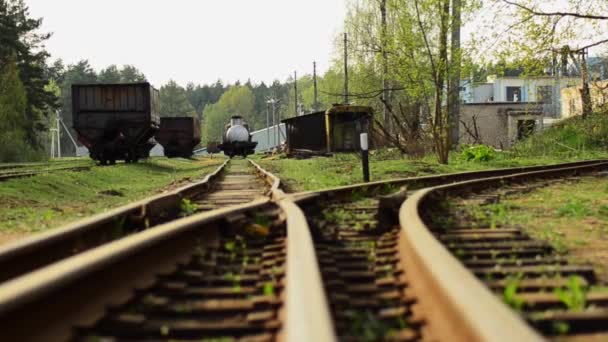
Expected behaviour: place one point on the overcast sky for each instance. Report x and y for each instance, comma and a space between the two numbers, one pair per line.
195, 40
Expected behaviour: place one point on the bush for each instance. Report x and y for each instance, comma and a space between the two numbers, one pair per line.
14, 149
478, 153
569, 138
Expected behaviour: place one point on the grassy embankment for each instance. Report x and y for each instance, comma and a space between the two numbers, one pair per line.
49, 200
570, 140
572, 217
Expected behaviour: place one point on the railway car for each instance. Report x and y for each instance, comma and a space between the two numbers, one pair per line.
116, 121
179, 136
236, 140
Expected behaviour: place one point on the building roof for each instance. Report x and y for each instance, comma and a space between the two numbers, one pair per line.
295, 118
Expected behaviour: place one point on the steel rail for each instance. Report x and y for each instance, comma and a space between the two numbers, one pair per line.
460, 307
429, 180
16, 166
306, 306
275, 190
42, 249
21, 174
48, 303
103, 276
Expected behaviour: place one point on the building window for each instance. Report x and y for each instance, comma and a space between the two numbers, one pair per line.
525, 128
514, 94
544, 94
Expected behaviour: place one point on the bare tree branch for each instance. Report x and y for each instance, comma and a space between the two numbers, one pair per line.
553, 14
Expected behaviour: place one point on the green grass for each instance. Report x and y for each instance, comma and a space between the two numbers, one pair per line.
570, 140
572, 137
345, 169
572, 217
49, 200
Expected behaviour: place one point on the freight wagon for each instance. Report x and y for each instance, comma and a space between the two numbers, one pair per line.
179, 136
116, 121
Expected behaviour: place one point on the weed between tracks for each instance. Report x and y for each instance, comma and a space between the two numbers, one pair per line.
571, 216
229, 289
46, 201
360, 273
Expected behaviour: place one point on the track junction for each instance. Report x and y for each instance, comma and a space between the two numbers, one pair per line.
235, 258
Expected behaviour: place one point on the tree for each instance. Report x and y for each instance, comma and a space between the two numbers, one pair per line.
238, 100
544, 39
174, 101
130, 74
13, 98
110, 74
19, 37
403, 48
13, 119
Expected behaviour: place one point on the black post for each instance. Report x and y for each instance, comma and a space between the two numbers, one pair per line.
365, 156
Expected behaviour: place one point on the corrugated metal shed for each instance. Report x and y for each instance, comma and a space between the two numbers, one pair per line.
306, 132
334, 130
268, 138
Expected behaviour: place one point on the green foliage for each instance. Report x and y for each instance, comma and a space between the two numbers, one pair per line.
238, 100
21, 42
573, 137
478, 153
268, 289
13, 118
174, 101
26, 201
187, 207
576, 208
510, 296
574, 295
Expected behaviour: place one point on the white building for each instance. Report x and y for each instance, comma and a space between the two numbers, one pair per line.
545, 90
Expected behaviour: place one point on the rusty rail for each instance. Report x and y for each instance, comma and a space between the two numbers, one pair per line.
42, 249
461, 307
28, 173
81, 287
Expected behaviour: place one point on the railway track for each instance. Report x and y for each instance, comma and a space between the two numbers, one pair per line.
552, 294
217, 274
19, 173
232, 183
364, 281
254, 271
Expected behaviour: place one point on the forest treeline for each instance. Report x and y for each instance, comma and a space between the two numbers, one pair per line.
406, 59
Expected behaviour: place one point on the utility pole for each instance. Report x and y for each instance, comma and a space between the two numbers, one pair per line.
385, 82
454, 86
345, 68
295, 88
314, 82
267, 124
58, 136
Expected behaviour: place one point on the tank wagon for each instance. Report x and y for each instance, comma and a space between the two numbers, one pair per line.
179, 136
236, 140
116, 121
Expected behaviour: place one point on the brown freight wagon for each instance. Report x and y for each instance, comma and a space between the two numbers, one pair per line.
179, 136
116, 121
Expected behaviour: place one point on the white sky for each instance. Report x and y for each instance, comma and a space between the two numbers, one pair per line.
195, 40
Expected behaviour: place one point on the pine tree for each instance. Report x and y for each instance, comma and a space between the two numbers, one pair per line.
13, 105
19, 37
